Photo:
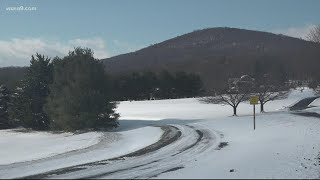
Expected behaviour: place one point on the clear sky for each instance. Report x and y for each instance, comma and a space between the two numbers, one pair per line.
112, 27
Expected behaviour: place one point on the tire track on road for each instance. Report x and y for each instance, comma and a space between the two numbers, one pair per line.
185, 142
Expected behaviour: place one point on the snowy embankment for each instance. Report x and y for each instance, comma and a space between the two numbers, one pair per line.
315, 103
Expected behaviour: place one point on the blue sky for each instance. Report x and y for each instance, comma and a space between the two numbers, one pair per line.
113, 27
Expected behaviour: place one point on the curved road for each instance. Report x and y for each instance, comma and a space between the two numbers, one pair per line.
304, 104
178, 145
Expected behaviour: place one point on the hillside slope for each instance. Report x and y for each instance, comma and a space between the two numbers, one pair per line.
218, 53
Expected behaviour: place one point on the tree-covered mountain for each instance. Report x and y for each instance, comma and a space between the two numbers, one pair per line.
217, 54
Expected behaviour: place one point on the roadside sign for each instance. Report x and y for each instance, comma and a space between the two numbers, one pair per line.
254, 100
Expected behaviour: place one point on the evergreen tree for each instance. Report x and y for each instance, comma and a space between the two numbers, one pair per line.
80, 94
19, 107
151, 84
187, 84
195, 85
167, 87
29, 99
4, 101
120, 90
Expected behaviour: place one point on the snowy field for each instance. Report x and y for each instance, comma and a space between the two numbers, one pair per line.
191, 108
17, 146
284, 144
53, 151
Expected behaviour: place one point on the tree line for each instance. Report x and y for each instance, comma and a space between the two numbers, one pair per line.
164, 85
75, 93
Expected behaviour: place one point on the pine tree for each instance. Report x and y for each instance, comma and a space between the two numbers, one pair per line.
19, 107
187, 84
167, 85
80, 94
27, 107
4, 101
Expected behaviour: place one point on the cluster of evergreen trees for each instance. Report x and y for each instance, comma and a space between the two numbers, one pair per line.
75, 93
163, 85
68, 94
4, 102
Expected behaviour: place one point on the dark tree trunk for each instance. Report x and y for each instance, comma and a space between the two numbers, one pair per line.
262, 107
234, 110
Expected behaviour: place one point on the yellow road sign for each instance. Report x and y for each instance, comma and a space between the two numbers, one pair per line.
254, 99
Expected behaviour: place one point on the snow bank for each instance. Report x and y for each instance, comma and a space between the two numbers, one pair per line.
315, 103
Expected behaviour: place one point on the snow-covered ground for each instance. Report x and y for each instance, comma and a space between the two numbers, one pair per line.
65, 150
17, 146
191, 108
315, 103
284, 144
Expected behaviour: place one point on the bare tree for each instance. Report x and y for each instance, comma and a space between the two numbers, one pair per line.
314, 34
267, 89
230, 98
314, 85
266, 93
237, 92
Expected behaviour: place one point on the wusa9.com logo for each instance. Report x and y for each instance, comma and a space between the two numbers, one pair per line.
21, 8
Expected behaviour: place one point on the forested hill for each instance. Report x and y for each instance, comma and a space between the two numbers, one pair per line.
216, 54
219, 53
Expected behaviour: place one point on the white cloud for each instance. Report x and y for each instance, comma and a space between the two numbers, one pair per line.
298, 32
17, 52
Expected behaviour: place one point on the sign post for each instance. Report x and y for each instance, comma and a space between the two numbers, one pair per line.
254, 117
254, 100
